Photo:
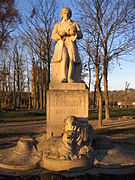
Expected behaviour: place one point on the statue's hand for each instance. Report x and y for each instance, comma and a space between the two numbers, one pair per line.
73, 38
61, 33
72, 32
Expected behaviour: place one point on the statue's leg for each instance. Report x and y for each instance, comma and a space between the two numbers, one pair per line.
71, 63
64, 64
71, 71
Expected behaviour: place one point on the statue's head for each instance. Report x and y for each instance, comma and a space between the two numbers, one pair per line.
69, 123
66, 13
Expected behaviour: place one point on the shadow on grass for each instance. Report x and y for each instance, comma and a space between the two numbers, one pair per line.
22, 113
114, 113
35, 114
17, 134
115, 131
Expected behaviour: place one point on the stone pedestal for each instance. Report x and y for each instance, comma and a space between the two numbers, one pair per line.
63, 100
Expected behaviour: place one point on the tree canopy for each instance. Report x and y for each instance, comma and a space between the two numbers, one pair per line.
9, 19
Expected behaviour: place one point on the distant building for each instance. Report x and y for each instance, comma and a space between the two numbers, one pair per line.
133, 103
120, 99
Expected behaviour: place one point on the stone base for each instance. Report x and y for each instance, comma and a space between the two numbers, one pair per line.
72, 165
21, 157
63, 100
109, 160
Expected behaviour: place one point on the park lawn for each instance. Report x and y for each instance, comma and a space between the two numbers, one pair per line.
114, 113
22, 115
123, 112
25, 115
112, 132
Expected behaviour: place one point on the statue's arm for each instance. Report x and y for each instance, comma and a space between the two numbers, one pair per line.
79, 32
55, 35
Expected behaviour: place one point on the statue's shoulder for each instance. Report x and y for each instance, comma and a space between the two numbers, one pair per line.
57, 24
74, 22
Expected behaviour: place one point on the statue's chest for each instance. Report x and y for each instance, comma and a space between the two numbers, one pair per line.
66, 26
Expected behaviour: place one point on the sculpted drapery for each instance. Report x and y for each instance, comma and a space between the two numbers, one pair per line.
66, 52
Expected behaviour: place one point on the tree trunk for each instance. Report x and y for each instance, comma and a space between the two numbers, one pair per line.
35, 84
41, 86
37, 89
9, 82
46, 85
34, 97
18, 79
41, 96
99, 97
107, 111
14, 93
95, 92
29, 101
48, 69
28, 83
89, 80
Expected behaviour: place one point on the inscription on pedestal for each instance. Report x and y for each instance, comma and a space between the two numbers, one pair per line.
70, 111
63, 103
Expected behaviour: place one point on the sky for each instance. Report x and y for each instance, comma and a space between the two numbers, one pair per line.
119, 73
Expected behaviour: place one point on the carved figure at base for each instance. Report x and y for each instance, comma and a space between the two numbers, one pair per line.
75, 142
66, 52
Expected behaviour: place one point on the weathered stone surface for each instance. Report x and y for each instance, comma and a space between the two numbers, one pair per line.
23, 156
66, 63
56, 73
61, 165
69, 152
67, 86
65, 100
75, 143
73, 150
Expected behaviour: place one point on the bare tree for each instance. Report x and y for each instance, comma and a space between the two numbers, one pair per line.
113, 22
18, 76
38, 28
28, 86
9, 19
3, 83
14, 80
126, 89
91, 45
94, 53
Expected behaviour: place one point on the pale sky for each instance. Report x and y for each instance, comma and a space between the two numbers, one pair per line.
118, 75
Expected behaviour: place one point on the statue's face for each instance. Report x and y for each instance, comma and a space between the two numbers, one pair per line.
65, 14
69, 125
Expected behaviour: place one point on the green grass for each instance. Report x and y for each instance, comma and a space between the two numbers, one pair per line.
116, 131
123, 112
25, 115
22, 115
17, 134
114, 113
